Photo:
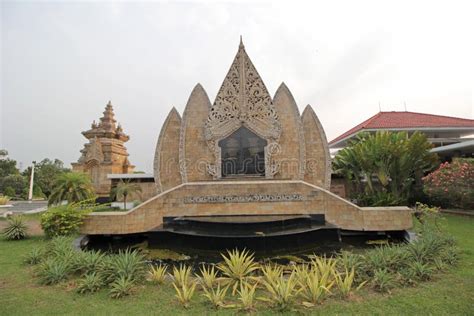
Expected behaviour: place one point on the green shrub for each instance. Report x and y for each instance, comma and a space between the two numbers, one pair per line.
349, 260
34, 256
53, 270
123, 286
425, 249
88, 262
391, 258
9, 191
450, 255
16, 228
90, 283
61, 247
62, 220
421, 271
127, 265
283, 292
383, 281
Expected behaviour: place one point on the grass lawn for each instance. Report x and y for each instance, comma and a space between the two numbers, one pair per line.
451, 293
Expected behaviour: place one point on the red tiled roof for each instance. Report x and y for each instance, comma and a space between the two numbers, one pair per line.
389, 120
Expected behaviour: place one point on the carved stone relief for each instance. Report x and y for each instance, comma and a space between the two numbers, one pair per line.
242, 100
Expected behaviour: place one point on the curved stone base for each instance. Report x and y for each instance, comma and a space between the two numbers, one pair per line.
266, 197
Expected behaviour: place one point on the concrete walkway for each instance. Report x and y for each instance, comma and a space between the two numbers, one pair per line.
28, 207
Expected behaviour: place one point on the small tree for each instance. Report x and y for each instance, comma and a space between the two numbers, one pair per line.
124, 189
73, 187
385, 168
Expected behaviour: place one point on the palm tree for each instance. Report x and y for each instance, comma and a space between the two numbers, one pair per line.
386, 166
124, 189
73, 187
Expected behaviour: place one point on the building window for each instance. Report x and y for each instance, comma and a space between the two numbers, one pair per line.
243, 153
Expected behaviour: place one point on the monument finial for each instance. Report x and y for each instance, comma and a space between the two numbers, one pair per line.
241, 45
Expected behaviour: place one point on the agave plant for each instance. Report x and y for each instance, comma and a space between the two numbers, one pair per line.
349, 259
184, 292
87, 262
127, 264
439, 264
121, 287
282, 291
323, 264
61, 247
383, 281
16, 228
158, 274
237, 267
271, 274
52, 271
208, 276
421, 271
301, 271
246, 296
345, 282
90, 283
181, 276
316, 286
216, 297
34, 256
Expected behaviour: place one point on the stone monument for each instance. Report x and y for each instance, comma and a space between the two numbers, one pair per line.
246, 159
105, 152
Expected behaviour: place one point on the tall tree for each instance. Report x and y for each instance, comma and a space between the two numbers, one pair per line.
8, 167
72, 187
125, 189
385, 168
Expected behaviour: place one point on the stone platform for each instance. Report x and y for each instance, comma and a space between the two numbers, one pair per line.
274, 197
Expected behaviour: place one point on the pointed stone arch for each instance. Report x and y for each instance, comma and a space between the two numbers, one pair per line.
194, 155
166, 162
291, 154
318, 159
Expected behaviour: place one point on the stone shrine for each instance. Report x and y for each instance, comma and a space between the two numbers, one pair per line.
105, 152
244, 160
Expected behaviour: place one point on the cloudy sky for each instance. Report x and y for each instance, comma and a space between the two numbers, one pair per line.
62, 61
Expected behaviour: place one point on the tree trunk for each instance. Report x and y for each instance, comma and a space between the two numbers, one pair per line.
125, 201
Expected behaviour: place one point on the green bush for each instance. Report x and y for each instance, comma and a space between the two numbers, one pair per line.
9, 191
90, 283
63, 220
53, 270
16, 228
421, 271
127, 264
15, 181
383, 280
88, 262
34, 256
121, 287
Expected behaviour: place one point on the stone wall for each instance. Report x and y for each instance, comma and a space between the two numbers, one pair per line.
287, 197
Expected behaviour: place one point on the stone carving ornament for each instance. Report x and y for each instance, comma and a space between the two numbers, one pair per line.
243, 100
